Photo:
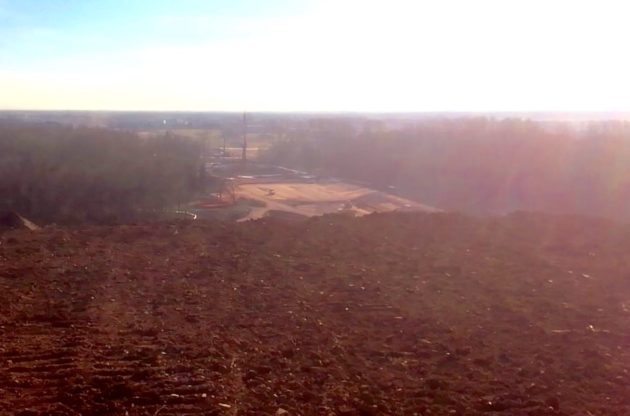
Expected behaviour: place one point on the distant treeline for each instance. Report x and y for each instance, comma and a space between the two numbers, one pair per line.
54, 173
477, 165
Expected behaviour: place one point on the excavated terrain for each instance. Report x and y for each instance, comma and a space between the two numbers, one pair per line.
389, 314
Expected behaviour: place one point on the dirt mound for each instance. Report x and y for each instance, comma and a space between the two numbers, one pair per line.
395, 314
12, 219
285, 215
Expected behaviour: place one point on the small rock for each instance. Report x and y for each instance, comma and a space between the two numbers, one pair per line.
495, 405
345, 410
553, 402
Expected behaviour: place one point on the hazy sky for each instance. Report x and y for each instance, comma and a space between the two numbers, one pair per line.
302, 55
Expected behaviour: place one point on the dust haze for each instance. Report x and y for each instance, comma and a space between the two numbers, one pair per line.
314, 208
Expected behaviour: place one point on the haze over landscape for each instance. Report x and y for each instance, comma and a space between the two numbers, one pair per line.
339, 208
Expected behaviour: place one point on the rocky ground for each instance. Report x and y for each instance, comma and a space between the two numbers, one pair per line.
401, 314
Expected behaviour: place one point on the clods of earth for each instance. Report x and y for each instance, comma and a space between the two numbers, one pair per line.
389, 314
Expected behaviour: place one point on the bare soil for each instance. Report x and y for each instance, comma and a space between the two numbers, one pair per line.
401, 314
318, 198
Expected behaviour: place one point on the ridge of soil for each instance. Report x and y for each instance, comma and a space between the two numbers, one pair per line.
397, 313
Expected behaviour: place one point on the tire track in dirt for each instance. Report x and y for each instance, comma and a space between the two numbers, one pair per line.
42, 354
389, 314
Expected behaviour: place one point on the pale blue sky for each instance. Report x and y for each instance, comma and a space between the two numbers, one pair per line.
34, 31
315, 55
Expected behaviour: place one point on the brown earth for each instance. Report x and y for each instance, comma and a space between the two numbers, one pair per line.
425, 314
322, 197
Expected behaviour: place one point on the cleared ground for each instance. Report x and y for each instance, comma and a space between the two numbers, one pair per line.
310, 199
387, 314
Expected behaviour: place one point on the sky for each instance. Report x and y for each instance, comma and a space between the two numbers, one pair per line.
309, 55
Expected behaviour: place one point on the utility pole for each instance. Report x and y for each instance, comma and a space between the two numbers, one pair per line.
244, 158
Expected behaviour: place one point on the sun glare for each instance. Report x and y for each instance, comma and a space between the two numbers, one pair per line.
351, 55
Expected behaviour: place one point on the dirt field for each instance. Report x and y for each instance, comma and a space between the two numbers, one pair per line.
310, 199
401, 314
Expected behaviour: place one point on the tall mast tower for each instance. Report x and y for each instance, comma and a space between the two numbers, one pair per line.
244, 157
